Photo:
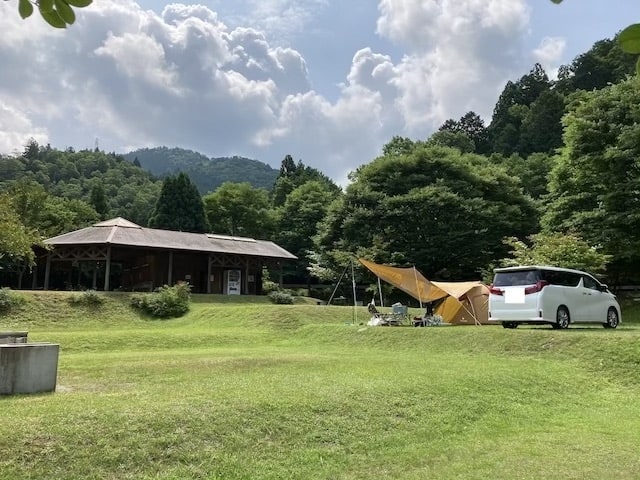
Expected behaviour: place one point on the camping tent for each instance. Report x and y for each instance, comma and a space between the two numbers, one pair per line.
457, 302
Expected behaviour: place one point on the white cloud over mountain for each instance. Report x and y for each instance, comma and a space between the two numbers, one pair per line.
132, 78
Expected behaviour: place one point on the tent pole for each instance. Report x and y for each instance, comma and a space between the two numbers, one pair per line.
473, 309
380, 292
471, 312
353, 282
337, 285
415, 275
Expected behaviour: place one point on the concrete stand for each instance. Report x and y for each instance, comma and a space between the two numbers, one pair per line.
28, 367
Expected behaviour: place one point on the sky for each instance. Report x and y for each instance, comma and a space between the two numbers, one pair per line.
328, 82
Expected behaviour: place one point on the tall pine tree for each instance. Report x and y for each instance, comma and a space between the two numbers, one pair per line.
179, 206
99, 201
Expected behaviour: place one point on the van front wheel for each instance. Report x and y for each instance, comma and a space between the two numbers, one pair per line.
562, 318
612, 319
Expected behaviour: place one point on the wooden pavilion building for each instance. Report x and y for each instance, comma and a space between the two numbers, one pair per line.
119, 255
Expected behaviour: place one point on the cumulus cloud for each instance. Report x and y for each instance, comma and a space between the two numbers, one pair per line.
282, 19
16, 129
183, 77
549, 54
459, 54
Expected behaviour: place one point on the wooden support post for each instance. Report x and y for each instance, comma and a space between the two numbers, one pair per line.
245, 280
34, 279
47, 272
170, 280
107, 270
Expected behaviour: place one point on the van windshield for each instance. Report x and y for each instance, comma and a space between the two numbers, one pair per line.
515, 278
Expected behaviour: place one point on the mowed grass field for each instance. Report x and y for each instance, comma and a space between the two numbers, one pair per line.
242, 389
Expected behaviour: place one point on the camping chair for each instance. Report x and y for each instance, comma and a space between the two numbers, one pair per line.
429, 319
383, 319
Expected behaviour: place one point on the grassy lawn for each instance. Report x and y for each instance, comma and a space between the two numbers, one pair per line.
250, 390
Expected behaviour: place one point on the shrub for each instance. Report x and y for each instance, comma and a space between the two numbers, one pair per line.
269, 286
281, 298
165, 302
89, 298
9, 299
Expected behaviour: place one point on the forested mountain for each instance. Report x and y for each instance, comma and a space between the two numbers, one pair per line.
207, 173
98, 184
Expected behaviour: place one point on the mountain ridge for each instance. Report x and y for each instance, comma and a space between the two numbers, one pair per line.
207, 173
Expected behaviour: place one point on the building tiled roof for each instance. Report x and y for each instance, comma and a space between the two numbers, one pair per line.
119, 231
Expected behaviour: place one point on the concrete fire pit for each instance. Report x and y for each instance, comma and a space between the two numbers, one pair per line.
27, 367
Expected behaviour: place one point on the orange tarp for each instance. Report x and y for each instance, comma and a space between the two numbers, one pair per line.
464, 302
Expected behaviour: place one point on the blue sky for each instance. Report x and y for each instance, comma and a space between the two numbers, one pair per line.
328, 82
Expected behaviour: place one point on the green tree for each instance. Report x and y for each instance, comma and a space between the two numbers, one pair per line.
29, 200
99, 201
48, 215
240, 209
605, 63
399, 146
436, 208
532, 171
512, 108
179, 206
293, 175
61, 215
31, 150
449, 138
303, 209
473, 127
541, 129
594, 184
558, 249
16, 240
288, 166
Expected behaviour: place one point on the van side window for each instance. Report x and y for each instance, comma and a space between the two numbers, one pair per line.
558, 277
551, 277
589, 282
572, 279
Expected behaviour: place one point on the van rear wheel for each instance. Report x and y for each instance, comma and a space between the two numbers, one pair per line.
509, 325
562, 318
612, 319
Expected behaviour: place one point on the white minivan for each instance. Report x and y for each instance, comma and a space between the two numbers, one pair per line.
550, 295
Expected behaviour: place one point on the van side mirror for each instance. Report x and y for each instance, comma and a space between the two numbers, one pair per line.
604, 287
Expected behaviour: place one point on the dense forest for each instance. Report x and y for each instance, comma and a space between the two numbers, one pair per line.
207, 173
553, 178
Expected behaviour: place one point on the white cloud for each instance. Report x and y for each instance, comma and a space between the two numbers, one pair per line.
282, 19
460, 53
183, 77
16, 129
140, 57
549, 54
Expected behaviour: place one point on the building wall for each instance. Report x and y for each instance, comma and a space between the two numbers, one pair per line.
137, 269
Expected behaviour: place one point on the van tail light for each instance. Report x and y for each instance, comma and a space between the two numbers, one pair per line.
495, 291
540, 284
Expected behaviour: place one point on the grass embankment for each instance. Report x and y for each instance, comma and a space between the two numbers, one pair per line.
257, 391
